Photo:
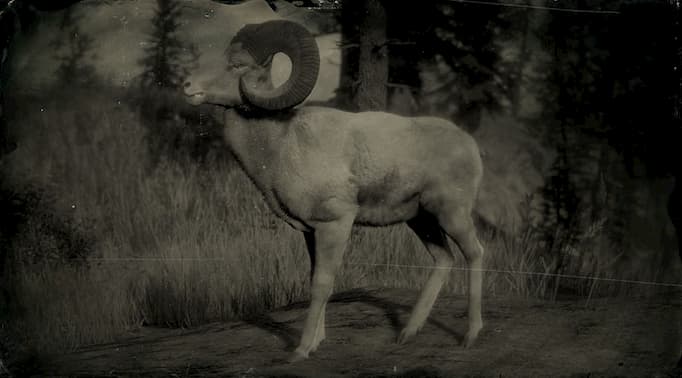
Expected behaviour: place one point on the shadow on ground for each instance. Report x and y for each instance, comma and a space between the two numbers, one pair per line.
605, 337
391, 311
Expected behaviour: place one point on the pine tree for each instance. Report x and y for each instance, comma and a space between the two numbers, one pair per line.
167, 58
72, 50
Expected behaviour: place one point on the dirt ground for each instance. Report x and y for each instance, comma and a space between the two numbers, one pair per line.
605, 337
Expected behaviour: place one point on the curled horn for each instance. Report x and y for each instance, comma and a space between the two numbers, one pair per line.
264, 40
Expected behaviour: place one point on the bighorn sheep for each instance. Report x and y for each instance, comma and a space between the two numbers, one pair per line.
323, 170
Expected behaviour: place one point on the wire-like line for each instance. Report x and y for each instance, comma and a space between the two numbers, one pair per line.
155, 259
560, 275
528, 273
558, 9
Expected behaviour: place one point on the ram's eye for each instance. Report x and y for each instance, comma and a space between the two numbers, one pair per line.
236, 66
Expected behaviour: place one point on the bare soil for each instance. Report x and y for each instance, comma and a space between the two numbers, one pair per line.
635, 337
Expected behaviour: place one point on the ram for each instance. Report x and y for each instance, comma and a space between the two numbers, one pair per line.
324, 170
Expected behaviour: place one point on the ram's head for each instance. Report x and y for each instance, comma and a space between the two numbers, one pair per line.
246, 77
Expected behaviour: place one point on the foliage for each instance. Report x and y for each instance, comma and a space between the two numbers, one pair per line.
175, 130
604, 80
463, 43
175, 235
167, 57
158, 96
33, 233
463, 40
72, 51
175, 243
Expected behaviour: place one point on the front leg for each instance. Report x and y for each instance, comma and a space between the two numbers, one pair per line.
330, 240
310, 246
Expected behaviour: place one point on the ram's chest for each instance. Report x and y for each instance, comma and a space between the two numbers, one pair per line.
302, 192
287, 196
286, 210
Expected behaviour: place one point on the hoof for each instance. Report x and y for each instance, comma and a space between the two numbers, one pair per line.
316, 345
297, 356
469, 339
406, 335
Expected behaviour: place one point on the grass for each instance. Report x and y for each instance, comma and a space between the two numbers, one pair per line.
175, 243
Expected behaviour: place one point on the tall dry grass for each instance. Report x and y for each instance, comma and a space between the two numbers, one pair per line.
174, 243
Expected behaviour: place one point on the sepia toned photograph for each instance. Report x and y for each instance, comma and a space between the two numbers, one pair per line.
340, 188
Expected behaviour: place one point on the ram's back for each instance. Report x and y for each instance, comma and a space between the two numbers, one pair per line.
388, 164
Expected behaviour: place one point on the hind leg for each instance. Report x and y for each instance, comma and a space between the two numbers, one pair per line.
460, 227
429, 232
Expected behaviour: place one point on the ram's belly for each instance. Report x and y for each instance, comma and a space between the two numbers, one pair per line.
389, 212
387, 203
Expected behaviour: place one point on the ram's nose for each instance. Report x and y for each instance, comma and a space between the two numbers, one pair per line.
186, 86
193, 96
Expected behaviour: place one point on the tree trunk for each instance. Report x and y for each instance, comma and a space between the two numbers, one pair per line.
675, 210
524, 55
675, 200
675, 213
373, 61
350, 11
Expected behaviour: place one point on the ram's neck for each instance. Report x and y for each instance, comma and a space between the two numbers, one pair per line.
255, 143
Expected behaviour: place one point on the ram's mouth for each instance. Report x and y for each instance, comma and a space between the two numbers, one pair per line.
195, 98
